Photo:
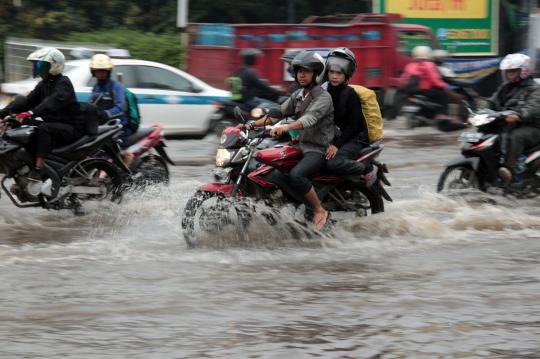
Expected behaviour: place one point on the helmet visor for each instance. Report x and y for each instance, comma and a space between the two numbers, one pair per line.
40, 68
338, 64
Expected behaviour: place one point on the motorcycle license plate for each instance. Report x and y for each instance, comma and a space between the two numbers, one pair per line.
470, 137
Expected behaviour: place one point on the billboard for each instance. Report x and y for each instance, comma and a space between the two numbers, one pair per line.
463, 27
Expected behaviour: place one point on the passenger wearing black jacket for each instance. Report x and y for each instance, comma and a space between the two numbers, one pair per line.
53, 100
352, 133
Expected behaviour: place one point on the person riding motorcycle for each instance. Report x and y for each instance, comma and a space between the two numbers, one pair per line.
108, 96
51, 105
519, 94
351, 128
421, 77
448, 75
312, 108
245, 84
439, 57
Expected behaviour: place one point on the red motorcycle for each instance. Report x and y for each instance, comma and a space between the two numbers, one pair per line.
147, 166
245, 163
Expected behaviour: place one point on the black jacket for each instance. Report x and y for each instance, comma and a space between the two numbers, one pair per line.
348, 116
53, 99
253, 86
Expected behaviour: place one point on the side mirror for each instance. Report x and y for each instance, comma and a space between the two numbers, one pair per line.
238, 114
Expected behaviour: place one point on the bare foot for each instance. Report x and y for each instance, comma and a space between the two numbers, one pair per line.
319, 219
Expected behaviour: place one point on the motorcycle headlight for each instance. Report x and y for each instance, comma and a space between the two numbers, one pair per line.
223, 157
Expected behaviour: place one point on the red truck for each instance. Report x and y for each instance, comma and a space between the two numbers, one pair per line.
382, 48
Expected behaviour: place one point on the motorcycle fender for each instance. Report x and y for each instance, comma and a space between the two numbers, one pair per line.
472, 162
160, 148
216, 187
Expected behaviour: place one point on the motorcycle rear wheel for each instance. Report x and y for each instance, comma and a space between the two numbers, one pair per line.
457, 178
94, 173
152, 170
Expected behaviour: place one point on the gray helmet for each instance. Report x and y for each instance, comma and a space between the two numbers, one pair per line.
309, 60
343, 60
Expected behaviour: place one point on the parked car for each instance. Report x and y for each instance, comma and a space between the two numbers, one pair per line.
181, 102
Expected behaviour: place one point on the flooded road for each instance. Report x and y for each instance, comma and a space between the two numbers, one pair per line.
432, 277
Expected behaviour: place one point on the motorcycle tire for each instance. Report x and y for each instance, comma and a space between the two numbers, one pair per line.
198, 219
151, 170
95, 172
464, 178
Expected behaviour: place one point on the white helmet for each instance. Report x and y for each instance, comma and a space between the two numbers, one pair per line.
439, 55
47, 55
516, 61
421, 52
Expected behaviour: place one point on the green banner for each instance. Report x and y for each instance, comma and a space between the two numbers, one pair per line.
463, 27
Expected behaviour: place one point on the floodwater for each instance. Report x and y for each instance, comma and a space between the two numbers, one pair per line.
432, 277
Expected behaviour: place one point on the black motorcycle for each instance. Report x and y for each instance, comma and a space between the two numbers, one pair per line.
481, 158
70, 175
420, 110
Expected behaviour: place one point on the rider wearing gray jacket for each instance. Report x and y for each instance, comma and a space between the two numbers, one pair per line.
312, 108
522, 95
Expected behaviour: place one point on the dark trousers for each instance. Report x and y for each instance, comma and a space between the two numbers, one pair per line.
520, 139
55, 134
297, 182
344, 162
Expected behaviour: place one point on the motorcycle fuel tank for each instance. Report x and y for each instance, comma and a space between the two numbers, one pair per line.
279, 155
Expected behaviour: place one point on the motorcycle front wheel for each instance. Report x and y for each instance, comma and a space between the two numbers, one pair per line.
457, 178
207, 213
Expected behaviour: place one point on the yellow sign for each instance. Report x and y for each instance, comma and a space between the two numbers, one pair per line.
439, 9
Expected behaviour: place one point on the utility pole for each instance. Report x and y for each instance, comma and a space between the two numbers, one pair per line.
182, 23
291, 16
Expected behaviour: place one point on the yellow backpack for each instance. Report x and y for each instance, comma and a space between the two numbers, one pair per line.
371, 111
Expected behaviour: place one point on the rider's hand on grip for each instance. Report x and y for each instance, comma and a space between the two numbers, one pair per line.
279, 130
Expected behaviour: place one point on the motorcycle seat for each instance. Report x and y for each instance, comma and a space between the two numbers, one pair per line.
73, 146
140, 134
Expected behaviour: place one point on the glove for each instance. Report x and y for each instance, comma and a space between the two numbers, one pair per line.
21, 116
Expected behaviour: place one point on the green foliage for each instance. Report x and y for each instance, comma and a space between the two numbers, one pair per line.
165, 48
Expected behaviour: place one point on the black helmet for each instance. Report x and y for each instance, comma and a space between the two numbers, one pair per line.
341, 59
309, 60
249, 55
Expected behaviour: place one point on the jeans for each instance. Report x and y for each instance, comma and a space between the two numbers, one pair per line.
297, 182
344, 162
